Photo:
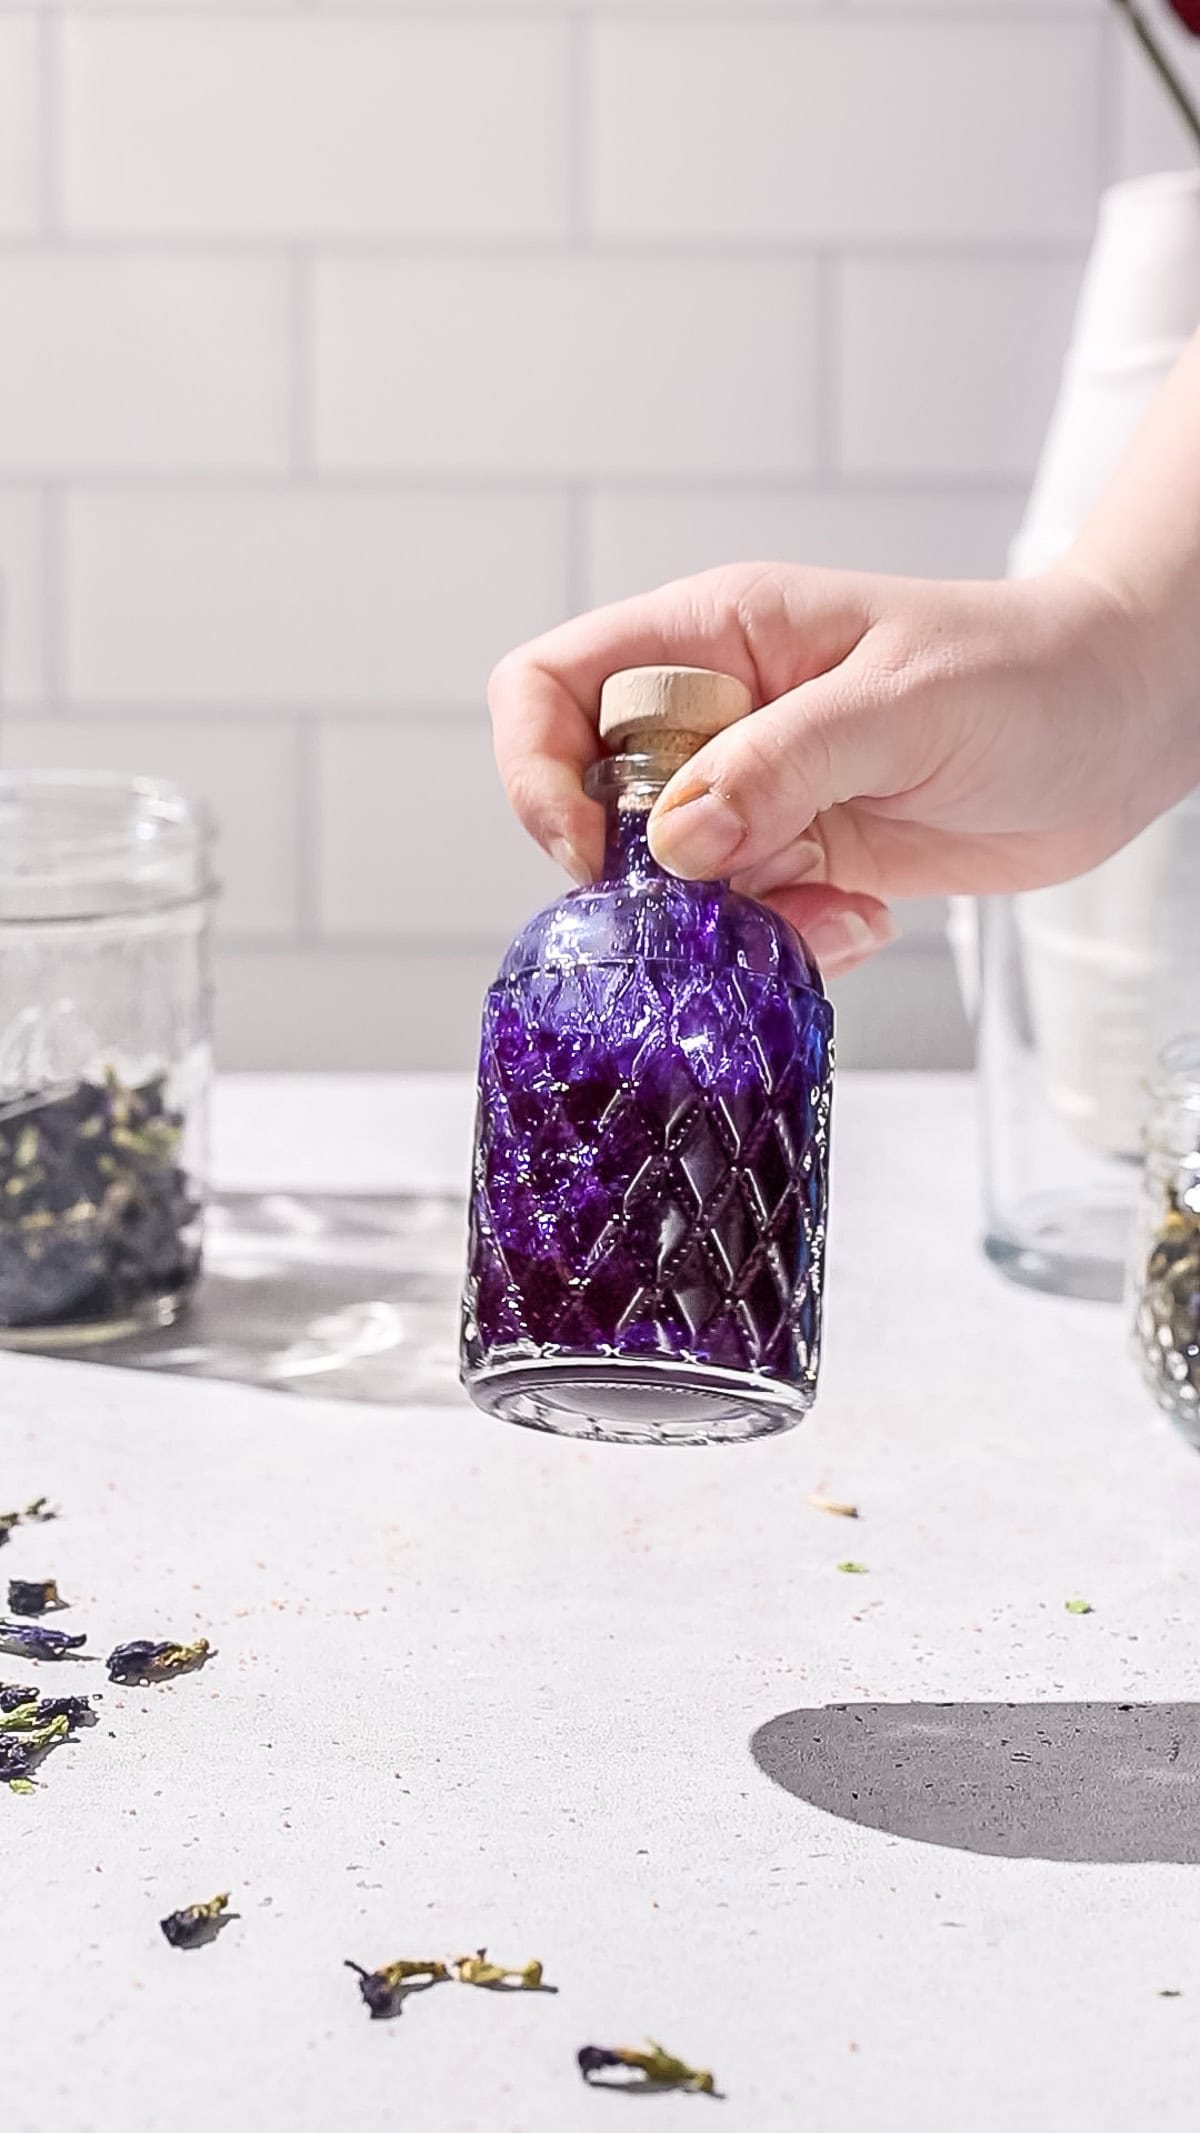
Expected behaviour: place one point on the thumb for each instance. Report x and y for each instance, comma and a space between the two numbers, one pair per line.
756, 788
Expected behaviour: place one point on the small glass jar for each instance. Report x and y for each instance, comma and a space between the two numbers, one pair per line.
1164, 1278
649, 1205
105, 1054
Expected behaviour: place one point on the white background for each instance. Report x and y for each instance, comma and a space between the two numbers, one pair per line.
341, 348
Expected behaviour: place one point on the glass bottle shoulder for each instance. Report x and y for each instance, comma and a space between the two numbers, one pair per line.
659, 919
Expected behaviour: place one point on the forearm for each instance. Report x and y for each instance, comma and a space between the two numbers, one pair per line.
1142, 541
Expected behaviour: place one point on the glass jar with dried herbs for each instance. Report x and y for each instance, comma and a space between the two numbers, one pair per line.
105, 1060
1165, 1268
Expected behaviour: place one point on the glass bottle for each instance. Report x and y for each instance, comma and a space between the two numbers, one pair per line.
105, 893
1164, 1272
650, 1175
1074, 990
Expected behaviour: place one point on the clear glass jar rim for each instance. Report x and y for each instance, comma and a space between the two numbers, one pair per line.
1175, 1076
93, 843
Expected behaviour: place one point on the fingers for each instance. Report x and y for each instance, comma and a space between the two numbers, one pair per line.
771, 625
755, 790
545, 699
842, 930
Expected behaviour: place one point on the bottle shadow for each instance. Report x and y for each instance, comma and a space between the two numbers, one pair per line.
1105, 1783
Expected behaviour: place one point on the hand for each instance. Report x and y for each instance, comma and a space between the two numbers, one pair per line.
910, 738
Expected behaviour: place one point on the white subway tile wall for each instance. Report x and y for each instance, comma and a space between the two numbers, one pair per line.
344, 344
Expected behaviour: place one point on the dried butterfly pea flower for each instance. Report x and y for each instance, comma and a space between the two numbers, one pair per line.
144, 1660
384, 1989
42, 1710
97, 1213
660, 2068
21, 1753
11, 1697
77, 1710
17, 1761
37, 1513
197, 1924
33, 1596
476, 1970
31, 1641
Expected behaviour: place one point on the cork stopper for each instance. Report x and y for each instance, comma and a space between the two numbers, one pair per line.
669, 710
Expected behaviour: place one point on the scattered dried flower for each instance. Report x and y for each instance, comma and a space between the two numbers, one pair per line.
386, 1989
853, 1570
835, 1509
143, 1660
30, 1641
33, 1596
1079, 1607
476, 1970
660, 2069
197, 1925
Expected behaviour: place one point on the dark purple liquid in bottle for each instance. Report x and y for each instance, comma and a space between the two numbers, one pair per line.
648, 1213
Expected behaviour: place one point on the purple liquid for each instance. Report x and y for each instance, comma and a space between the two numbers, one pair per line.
650, 1168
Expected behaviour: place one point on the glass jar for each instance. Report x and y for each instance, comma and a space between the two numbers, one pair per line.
1074, 990
1164, 1278
649, 1205
105, 1057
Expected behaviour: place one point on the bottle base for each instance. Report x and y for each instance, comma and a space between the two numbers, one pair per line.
1065, 1245
628, 1400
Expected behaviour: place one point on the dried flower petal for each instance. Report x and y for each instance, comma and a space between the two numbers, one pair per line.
31, 1641
144, 1660
853, 1570
476, 1970
835, 1509
33, 1596
660, 2068
385, 1989
198, 1924
1079, 1607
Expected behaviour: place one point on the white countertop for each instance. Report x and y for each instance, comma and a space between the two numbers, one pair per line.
476, 1686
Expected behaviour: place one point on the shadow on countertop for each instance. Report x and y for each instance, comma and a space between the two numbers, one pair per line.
333, 1296
1106, 1783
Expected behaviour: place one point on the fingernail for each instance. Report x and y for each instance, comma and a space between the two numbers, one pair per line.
842, 937
571, 860
699, 837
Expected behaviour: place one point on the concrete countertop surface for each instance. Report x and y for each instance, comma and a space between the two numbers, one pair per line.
892, 1852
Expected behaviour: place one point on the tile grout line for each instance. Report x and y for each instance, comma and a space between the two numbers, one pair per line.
579, 143
222, 247
825, 383
973, 484
301, 353
577, 557
54, 600
306, 931
49, 134
802, 13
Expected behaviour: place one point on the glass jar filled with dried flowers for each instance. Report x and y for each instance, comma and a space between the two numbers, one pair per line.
105, 894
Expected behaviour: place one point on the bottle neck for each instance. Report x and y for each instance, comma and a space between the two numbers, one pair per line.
627, 787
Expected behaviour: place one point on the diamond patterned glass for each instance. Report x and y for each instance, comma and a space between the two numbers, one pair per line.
650, 1169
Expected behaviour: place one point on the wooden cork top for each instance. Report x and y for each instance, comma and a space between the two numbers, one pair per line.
679, 708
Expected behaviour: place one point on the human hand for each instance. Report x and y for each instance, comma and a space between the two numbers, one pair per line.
910, 738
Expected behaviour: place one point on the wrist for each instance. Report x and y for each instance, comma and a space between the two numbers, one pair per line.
1137, 645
